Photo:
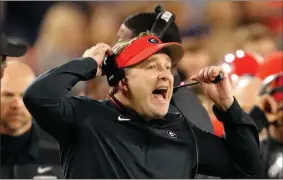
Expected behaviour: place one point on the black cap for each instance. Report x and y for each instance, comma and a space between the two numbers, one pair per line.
8, 48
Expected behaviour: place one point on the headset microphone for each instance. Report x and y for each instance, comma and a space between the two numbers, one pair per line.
216, 80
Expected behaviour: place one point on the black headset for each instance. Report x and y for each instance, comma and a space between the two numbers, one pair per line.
109, 67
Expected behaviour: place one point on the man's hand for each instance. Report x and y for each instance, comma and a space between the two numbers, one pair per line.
270, 107
98, 53
220, 93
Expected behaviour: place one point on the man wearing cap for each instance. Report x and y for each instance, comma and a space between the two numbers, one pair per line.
131, 134
7, 48
194, 111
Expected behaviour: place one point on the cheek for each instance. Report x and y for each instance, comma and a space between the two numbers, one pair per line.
4, 108
141, 85
26, 113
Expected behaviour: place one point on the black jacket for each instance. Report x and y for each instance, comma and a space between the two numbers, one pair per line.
100, 140
29, 155
191, 107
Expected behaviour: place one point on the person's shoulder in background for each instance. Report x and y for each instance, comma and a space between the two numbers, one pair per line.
192, 109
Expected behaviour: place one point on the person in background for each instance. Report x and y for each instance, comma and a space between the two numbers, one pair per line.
196, 57
246, 90
61, 36
272, 64
255, 38
194, 111
9, 49
26, 150
268, 114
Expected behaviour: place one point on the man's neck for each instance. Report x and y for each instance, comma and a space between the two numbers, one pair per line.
127, 103
6, 131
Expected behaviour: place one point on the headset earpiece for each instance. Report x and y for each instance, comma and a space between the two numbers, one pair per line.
111, 70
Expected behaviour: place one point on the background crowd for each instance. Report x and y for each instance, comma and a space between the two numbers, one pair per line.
244, 37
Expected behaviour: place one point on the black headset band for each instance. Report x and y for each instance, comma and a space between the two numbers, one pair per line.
158, 26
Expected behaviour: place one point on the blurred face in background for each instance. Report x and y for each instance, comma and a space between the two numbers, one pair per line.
263, 46
192, 63
15, 119
63, 30
255, 38
195, 58
223, 14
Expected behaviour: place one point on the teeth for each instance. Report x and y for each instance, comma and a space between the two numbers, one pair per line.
163, 88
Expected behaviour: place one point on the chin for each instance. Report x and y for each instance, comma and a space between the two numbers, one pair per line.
160, 112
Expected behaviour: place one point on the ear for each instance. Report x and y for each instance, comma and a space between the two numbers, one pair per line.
123, 85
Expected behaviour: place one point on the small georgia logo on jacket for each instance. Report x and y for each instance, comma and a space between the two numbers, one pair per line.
171, 134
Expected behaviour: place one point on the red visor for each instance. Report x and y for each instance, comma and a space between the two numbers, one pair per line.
144, 47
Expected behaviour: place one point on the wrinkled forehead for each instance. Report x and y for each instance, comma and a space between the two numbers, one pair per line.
159, 57
15, 84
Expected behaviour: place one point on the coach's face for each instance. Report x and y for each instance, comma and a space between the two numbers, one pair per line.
150, 86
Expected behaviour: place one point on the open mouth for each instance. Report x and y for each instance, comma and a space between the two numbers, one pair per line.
160, 93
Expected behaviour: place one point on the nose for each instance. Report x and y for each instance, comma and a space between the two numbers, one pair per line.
17, 102
164, 75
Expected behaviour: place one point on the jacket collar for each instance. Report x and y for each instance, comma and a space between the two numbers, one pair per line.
127, 112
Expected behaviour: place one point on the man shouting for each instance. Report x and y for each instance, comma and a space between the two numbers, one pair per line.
131, 134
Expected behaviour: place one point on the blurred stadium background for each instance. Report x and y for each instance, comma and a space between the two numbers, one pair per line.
58, 31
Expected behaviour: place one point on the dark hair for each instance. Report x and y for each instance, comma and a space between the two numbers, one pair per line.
142, 22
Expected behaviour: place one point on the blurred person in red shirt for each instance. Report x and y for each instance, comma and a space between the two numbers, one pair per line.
268, 113
268, 116
272, 64
242, 68
246, 88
